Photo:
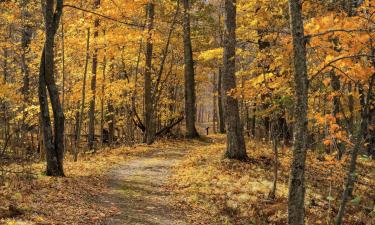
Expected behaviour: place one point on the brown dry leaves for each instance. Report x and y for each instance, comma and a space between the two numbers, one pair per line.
222, 191
75, 199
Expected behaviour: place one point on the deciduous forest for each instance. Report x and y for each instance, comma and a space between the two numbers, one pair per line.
187, 112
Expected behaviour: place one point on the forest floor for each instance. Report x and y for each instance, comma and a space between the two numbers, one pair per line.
180, 182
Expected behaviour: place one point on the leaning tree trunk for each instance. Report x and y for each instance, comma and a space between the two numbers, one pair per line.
91, 134
149, 133
235, 140
296, 197
53, 140
190, 109
359, 141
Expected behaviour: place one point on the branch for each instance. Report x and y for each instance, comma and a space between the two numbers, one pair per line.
339, 30
169, 127
340, 70
165, 52
336, 60
104, 16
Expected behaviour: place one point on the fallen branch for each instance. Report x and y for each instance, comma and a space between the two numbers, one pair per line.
169, 127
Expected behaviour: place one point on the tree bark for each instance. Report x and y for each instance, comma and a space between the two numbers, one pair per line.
25, 43
53, 140
91, 132
102, 101
214, 103
80, 116
336, 86
111, 112
190, 109
235, 140
359, 140
296, 196
149, 133
220, 102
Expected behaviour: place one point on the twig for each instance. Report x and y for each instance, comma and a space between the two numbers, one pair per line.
104, 16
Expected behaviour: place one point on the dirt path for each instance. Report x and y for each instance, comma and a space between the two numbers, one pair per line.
136, 189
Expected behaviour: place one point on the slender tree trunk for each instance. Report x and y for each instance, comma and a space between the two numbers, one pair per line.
235, 140
25, 43
359, 141
296, 197
275, 142
80, 119
220, 102
351, 108
253, 120
149, 133
335, 84
53, 140
190, 110
91, 134
214, 103
111, 113
102, 102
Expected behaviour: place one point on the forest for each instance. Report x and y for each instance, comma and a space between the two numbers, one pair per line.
176, 112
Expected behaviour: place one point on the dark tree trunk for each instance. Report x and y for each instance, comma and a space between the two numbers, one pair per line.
296, 197
220, 102
214, 103
335, 84
102, 101
235, 140
25, 43
253, 120
358, 145
371, 134
82, 108
190, 110
111, 114
53, 140
91, 134
149, 134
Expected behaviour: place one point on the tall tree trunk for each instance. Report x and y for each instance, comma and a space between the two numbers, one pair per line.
253, 120
235, 140
220, 102
336, 86
102, 102
296, 196
53, 140
91, 134
359, 141
214, 103
190, 110
149, 133
111, 112
83, 98
25, 43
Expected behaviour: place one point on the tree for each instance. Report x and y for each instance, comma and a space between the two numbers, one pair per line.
53, 140
296, 196
149, 133
235, 140
91, 134
190, 108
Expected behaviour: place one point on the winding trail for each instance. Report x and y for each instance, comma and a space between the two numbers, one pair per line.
137, 190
